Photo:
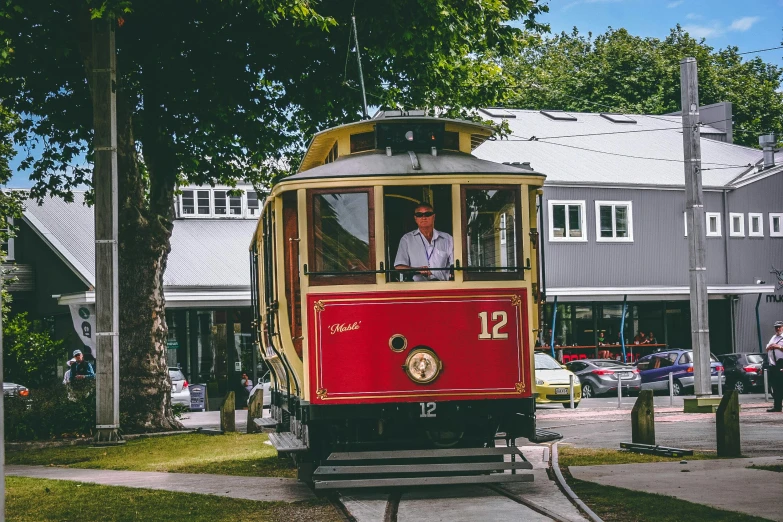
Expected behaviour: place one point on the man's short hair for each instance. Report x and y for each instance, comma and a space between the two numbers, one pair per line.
424, 205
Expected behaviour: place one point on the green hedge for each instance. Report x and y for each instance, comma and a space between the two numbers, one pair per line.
54, 412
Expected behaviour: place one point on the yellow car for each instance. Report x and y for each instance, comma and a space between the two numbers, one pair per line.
552, 382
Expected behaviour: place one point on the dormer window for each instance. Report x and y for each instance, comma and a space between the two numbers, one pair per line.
218, 203
226, 205
195, 202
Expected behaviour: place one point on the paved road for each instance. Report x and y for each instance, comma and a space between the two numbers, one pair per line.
599, 423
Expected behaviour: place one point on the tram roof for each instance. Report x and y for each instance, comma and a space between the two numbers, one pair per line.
377, 163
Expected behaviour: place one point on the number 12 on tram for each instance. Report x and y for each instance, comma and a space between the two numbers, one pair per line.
396, 279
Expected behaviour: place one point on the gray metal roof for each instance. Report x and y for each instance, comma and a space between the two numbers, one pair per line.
204, 252
595, 150
377, 163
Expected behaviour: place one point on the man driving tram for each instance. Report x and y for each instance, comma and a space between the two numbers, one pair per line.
426, 248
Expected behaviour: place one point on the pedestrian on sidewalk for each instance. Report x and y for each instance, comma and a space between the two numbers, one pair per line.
81, 369
775, 363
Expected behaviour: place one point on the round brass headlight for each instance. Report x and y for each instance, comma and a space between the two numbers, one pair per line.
422, 365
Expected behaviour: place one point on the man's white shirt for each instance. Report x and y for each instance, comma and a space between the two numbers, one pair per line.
416, 251
777, 353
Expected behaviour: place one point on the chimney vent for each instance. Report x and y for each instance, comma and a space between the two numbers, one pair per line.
767, 143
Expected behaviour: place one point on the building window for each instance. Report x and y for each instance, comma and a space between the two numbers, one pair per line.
7, 246
567, 221
736, 224
613, 221
775, 225
227, 205
196, 202
755, 225
713, 224
253, 205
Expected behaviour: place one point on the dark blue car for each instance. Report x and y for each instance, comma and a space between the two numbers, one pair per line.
655, 369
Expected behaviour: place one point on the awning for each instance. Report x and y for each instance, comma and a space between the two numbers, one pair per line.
651, 293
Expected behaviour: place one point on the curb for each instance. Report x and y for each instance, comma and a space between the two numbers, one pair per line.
16, 446
570, 492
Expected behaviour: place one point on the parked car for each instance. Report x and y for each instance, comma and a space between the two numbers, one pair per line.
552, 382
655, 369
10, 389
599, 376
743, 371
180, 394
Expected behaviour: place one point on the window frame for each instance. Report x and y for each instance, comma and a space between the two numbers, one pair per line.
489, 276
10, 254
195, 203
760, 217
550, 214
779, 216
718, 231
732, 231
355, 279
613, 205
228, 198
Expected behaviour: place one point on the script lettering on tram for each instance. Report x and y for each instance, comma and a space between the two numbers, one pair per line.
344, 327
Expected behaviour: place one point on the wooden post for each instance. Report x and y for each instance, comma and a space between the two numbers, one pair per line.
643, 419
107, 320
255, 410
227, 419
694, 209
2, 408
727, 425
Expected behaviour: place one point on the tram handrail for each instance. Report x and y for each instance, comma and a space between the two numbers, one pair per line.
383, 270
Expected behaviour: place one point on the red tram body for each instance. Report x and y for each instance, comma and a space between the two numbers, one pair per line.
365, 356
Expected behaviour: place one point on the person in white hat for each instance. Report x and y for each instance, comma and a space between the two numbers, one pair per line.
775, 362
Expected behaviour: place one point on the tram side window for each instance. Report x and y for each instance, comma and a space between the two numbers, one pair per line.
491, 221
342, 242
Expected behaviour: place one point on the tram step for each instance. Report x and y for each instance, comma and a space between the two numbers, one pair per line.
422, 481
265, 422
392, 469
286, 442
423, 454
545, 436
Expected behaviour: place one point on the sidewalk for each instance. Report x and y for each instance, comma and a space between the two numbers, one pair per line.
724, 484
248, 488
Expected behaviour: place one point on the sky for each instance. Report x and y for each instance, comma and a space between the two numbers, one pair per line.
750, 25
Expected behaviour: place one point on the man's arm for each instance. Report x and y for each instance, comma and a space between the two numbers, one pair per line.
772, 345
90, 372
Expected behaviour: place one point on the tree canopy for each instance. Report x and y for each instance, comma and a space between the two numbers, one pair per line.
621, 72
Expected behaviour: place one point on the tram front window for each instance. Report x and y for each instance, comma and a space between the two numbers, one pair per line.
341, 241
492, 233
418, 228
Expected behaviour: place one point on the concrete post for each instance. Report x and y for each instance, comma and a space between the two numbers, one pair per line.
694, 207
619, 390
571, 389
643, 419
727, 425
227, 419
255, 410
2, 409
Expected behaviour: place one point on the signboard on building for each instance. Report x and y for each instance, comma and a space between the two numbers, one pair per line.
83, 316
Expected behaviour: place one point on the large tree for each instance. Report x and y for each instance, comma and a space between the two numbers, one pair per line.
217, 91
622, 72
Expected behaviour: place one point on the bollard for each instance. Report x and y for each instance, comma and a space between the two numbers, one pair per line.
643, 419
671, 389
766, 387
727, 425
619, 390
255, 410
227, 420
720, 384
571, 389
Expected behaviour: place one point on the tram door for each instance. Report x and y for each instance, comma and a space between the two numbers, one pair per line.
399, 205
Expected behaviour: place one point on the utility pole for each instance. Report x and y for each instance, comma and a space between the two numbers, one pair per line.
107, 320
2, 407
694, 208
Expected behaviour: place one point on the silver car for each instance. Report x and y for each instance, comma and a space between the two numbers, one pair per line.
599, 376
180, 393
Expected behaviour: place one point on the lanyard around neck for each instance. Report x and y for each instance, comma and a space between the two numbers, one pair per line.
427, 252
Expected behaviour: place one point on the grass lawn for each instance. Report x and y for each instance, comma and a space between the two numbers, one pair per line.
571, 456
34, 500
229, 454
623, 505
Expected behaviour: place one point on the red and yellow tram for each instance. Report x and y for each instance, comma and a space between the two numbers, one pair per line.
366, 356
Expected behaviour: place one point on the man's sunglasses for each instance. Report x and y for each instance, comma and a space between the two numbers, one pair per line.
423, 214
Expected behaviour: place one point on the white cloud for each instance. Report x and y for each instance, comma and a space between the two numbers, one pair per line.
703, 31
744, 23
672, 5
693, 16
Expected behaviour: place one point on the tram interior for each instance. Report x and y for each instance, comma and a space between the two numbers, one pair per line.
399, 204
